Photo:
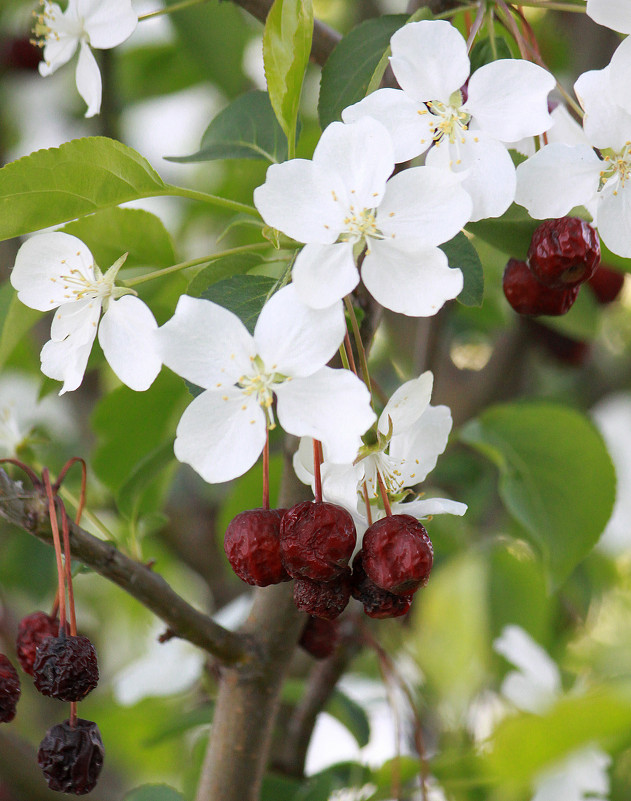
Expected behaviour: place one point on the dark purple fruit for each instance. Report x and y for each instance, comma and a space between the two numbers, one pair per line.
606, 284
66, 668
71, 758
529, 296
397, 554
252, 546
564, 252
317, 540
32, 631
323, 599
9, 689
377, 603
320, 637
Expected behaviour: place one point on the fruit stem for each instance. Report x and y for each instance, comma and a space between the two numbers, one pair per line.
367, 504
30, 473
52, 513
68, 564
349, 352
73, 714
266, 471
384, 495
55, 607
317, 461
358, 341
84, 477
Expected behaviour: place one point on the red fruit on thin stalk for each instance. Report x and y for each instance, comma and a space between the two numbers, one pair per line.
9, 689
320, 637
564, 252
317, 540
66, 667
529, 296
252, 546
323, 599
606, 284
377, 603
71, 757
32, 631
397, 554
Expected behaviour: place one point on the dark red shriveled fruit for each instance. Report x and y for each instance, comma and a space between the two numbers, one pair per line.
564, 252
320, 637
397, 554
377, 603
529, 296
32, 631
71, 757
317, 540
252, 546
9, 689
606, 284
323, 599
66, 667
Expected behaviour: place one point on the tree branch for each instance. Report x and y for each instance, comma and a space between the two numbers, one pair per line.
324, 37
28, 510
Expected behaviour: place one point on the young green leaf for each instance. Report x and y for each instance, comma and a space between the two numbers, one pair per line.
221, 269
15, 320
462, 254
511, 233
244, 295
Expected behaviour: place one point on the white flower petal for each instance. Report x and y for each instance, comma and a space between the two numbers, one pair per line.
66, 360
295, 340
407, 404
127, 335
423, 206
63, 40
206, 344
221, 435
565, 129
416, 284
556, 179
406, 120
362, 154
613, 218
620, 75
40, 264
303, 461
578, 777
420, 446
486, 169
429, 60
107, 22
303, 200
614, 14
330, 405
428, 507
78, 319
88, 78
605, 123
508, 99
323, 274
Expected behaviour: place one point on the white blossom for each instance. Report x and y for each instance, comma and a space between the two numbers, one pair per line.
223, 431
582, 776
86, 24
462, 122
57, 270
343, 200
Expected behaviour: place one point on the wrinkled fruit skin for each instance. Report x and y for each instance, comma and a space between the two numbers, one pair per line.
377, 603
317, 540
606, 284
397, 554
320, 637
529, 296
71, 759
32, 631
9, 689
66, 668
564, 252
252, 546
323, 599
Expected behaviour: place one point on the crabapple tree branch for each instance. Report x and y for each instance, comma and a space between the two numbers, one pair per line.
28, 510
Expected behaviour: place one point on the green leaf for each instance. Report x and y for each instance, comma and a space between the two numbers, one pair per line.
111, 232
556, 477
221, 269
349, 69
148, 477
190, 719
482, 52
15, 320
244, 295
511, 233
53, 186
153, 70
276, 787
245, 129
154, 792
286, 49
462, 254
351, 715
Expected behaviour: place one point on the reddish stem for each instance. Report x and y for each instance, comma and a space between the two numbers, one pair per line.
30, 473
266, 471
349, 352
68, 564
317, 461
52, 512
84, 478
367, 504
73, 714
384, 495
55, 607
